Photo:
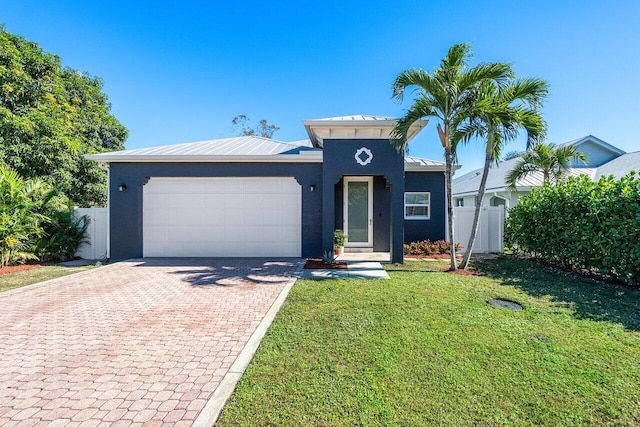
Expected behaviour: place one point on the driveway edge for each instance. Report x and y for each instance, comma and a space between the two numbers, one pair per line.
212, 409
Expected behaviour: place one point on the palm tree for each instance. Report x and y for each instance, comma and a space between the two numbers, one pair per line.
446, 94
553, 161
498, 115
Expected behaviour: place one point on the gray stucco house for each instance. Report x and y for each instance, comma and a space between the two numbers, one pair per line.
258, 197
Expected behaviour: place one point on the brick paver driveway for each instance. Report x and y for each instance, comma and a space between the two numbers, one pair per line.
132, 343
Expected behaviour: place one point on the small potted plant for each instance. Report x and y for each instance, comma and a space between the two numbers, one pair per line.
338, 241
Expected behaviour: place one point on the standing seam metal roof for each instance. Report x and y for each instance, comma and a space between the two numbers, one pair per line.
239, 146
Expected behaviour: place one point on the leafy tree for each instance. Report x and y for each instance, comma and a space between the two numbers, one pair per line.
264, 129
497, 115
50, 116
447, 95
554, 162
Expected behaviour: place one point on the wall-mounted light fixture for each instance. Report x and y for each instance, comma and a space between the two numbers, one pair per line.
122, 187
312, 187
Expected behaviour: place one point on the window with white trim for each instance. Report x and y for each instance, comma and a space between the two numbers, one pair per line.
459, 202
417, 205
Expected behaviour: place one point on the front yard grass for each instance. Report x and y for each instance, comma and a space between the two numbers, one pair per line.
425, 348
35, 275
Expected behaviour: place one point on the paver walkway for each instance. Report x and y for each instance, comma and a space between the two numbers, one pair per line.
142, 342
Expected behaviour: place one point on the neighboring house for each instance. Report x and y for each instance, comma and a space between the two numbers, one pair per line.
258, 197
602, 159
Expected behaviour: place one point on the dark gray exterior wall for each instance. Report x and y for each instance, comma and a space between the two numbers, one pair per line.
387, 164
434, 227
126, 206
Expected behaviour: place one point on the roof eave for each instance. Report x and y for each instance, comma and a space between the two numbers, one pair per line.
424, 168
310, 125
519, 188
278, 158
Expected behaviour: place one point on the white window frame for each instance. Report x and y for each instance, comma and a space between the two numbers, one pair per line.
459, 202
428, 205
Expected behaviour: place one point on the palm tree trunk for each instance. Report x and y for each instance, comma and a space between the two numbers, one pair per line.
481, 190
448, 174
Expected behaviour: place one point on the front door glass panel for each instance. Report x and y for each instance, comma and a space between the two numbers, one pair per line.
358, 212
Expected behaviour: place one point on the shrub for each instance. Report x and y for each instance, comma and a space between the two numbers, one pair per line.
35, 223
63, 234
582, 224
20, 216
427, 247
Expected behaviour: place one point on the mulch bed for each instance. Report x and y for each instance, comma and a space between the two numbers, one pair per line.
20, 267
319, 264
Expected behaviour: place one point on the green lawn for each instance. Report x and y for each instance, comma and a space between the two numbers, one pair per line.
425, 348
40, 274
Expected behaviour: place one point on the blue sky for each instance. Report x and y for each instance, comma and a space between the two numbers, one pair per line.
180, 71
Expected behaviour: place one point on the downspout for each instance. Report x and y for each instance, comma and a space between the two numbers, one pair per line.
105, 166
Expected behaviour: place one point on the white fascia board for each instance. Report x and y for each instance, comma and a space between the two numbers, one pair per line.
284, 158
424, 168
347, 129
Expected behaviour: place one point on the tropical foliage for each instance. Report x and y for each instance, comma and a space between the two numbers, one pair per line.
447, 95
20, 219
35, 221
49, 117
62, 234
497, 115
550, 160
582, 224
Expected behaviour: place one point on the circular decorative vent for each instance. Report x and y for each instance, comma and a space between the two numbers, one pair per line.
503, 303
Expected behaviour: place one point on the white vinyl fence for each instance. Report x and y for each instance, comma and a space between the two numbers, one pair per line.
96, 248
490, 235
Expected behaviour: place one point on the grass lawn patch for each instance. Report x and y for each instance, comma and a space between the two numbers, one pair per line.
425, 348
35, 275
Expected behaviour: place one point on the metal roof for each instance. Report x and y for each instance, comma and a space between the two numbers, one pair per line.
620, 166
240, 148
418, 163
357, 117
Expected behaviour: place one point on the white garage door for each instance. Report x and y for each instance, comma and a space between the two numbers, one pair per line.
222, 217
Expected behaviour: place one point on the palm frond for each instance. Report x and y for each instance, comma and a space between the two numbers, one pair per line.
456, 57
422, 107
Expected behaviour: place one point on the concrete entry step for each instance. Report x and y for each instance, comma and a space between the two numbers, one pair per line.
366, 256
355, 270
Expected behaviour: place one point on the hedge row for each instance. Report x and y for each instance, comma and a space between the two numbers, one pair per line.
582, 224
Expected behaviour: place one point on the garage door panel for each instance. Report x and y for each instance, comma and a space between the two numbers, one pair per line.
222, 217
271, 216
256, 234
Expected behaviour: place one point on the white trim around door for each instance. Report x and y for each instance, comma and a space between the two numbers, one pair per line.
360, 234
